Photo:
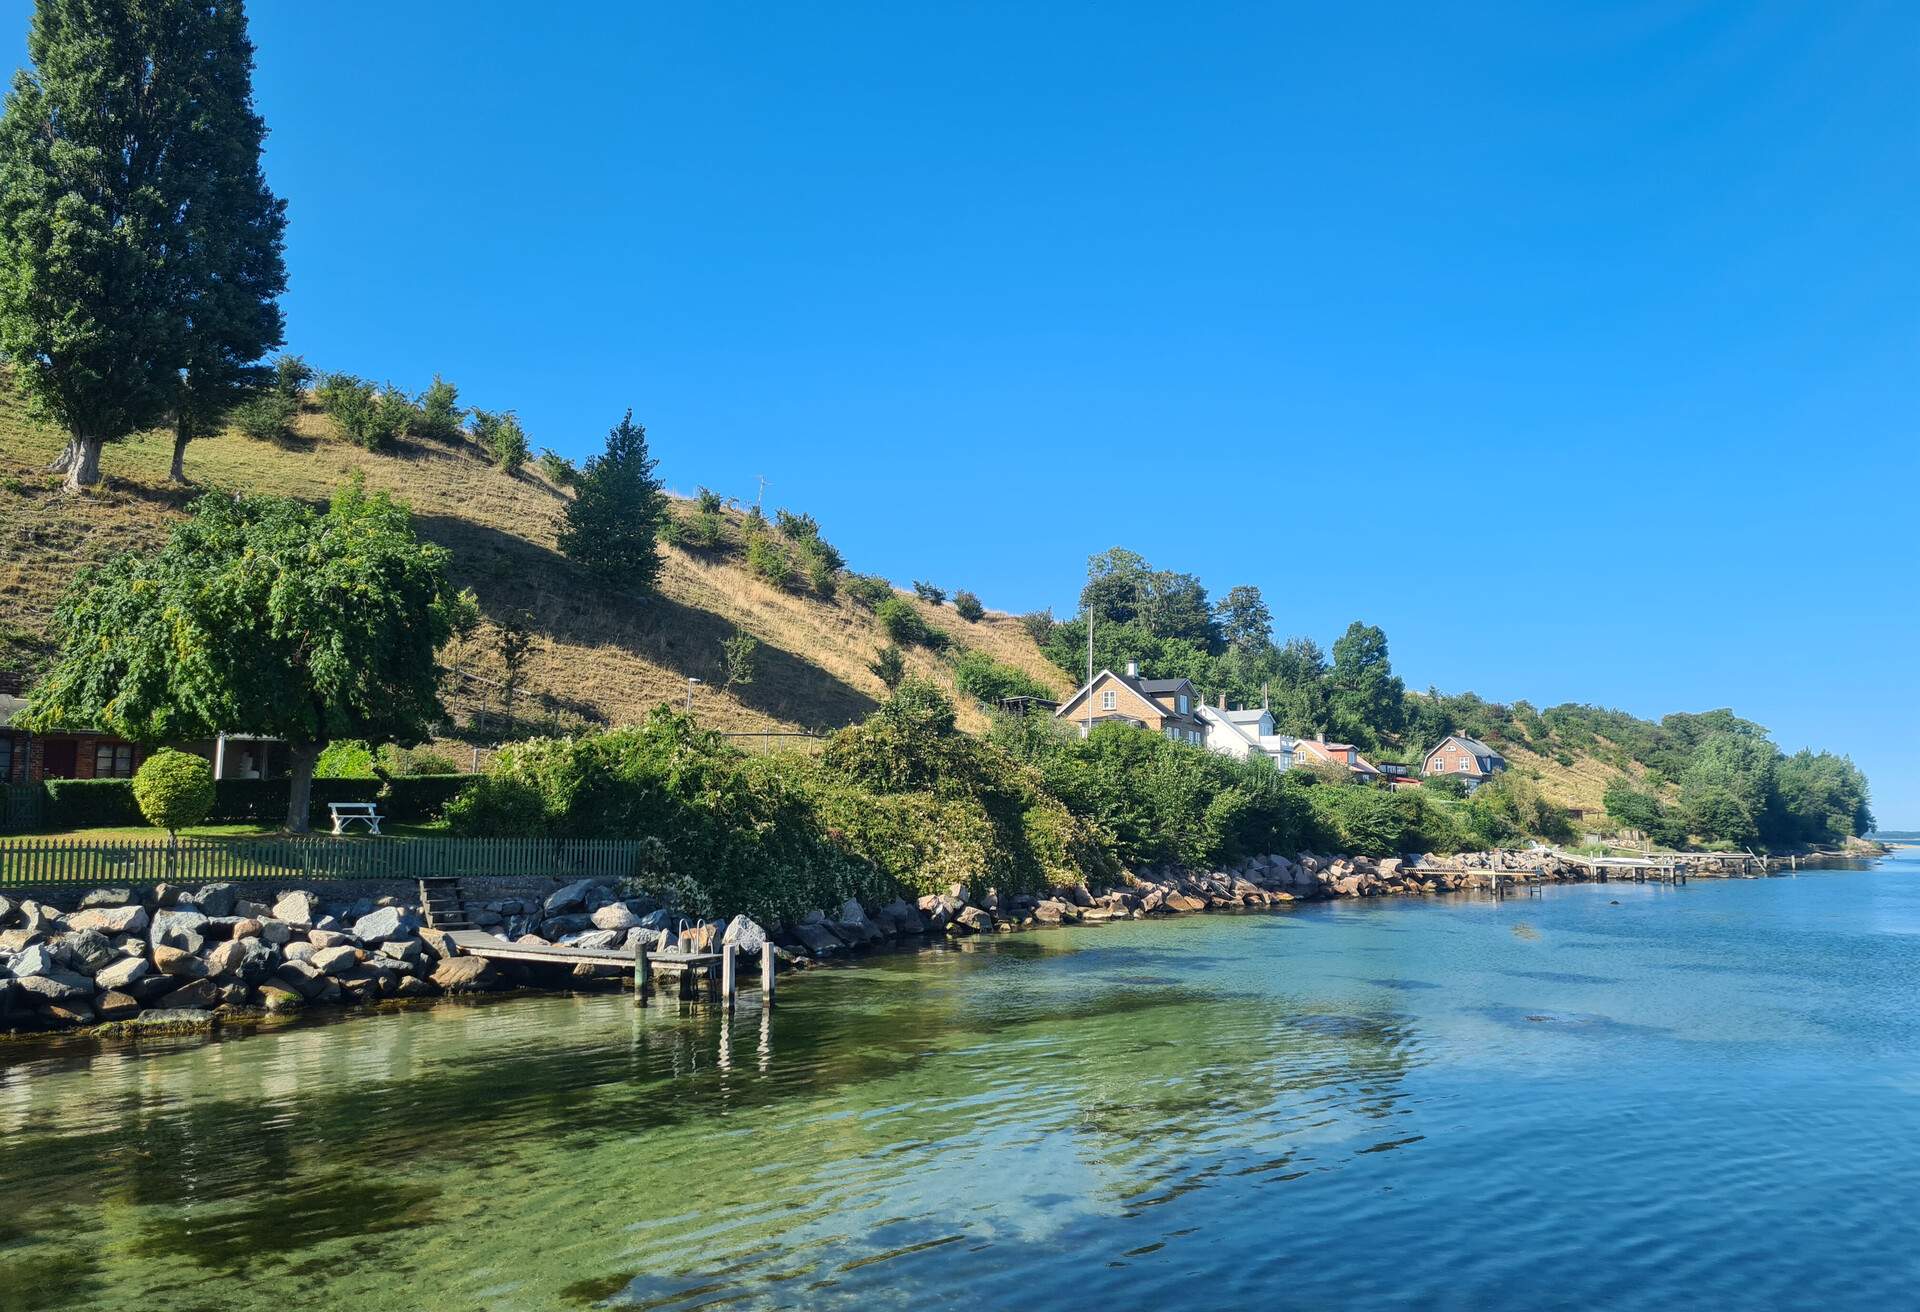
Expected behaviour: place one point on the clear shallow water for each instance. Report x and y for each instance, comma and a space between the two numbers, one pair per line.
1705, 1096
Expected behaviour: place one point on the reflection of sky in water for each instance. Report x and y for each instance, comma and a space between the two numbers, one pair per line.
1343, 1104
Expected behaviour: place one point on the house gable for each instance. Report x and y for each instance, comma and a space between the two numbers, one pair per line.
1126, 701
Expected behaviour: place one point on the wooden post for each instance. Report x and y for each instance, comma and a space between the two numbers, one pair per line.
766, 973
642, 971
728, 979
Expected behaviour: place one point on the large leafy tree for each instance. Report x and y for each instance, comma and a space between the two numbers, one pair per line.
1364, 698
140, 248
1245, 622
613, 521
262, 615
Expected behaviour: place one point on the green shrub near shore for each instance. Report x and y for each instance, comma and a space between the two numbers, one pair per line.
901, 804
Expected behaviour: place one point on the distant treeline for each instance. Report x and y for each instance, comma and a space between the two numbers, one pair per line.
1713, 777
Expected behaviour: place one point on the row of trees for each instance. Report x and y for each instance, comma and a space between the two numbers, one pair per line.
141, 250
1165, 620
1712, 776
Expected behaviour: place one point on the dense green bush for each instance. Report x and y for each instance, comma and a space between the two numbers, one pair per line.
558, 470
870, 590
373, 418
439, 415
499, 434
968, 606
929, 593
1039, 626
707, 500
889, 666
267, 417
95, 804
904, 625
291, 377
725, 831
174, 789
979, 675
769, 561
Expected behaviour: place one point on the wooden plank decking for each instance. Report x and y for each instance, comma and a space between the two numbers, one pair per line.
477, 943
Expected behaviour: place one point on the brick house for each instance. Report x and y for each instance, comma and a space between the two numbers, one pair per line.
1468, 758
1166, 706
1316, 751
27, 758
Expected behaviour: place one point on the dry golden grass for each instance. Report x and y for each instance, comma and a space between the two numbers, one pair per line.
598, 655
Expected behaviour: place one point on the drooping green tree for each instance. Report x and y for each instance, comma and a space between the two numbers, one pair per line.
263, 616
613, 521
140, 248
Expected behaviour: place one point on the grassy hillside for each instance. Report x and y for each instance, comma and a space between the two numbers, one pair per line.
598, 656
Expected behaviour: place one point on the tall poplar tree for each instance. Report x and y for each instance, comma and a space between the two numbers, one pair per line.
613, 521
140, 247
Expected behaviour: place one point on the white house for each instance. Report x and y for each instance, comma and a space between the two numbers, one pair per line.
1246, 734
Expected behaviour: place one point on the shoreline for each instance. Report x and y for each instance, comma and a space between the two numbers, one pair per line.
131, 963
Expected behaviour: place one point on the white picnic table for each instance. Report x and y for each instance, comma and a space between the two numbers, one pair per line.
345, 813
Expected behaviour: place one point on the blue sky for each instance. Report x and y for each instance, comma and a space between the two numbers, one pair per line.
1573, 344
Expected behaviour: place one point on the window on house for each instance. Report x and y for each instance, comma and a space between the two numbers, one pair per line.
111, 761
1106, 700
1183, 703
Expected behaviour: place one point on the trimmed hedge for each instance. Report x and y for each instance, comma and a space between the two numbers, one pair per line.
108, 803
92, 804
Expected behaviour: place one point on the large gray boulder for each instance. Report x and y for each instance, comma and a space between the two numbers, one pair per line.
39, 959
83, 950
386, 923
106, 897
185, 930
216, 899
225, 959
334, 961
302, 979
297, 908
196, 993
112, 920
615, 915
38, 919
817, 938
746, 936
61, 986
118, 975
853, 925
573, 897
277, 933
657, 919
601, 940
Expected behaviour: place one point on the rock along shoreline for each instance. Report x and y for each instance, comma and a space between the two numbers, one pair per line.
169, 959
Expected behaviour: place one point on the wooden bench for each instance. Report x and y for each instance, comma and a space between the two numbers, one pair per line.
345, 813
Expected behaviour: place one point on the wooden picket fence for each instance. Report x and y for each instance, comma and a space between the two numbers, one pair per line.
35, 861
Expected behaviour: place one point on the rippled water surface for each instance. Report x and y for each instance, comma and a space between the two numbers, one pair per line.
1619, 1096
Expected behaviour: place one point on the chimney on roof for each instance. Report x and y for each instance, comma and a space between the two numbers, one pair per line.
1221, 701
1133, 669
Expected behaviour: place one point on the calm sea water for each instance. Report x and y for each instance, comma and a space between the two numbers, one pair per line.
1602, 1096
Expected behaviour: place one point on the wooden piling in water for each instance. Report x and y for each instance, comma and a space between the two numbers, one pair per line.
642, 971
766, 973
728, 977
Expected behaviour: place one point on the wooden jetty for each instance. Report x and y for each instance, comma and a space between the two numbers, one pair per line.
713, 973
